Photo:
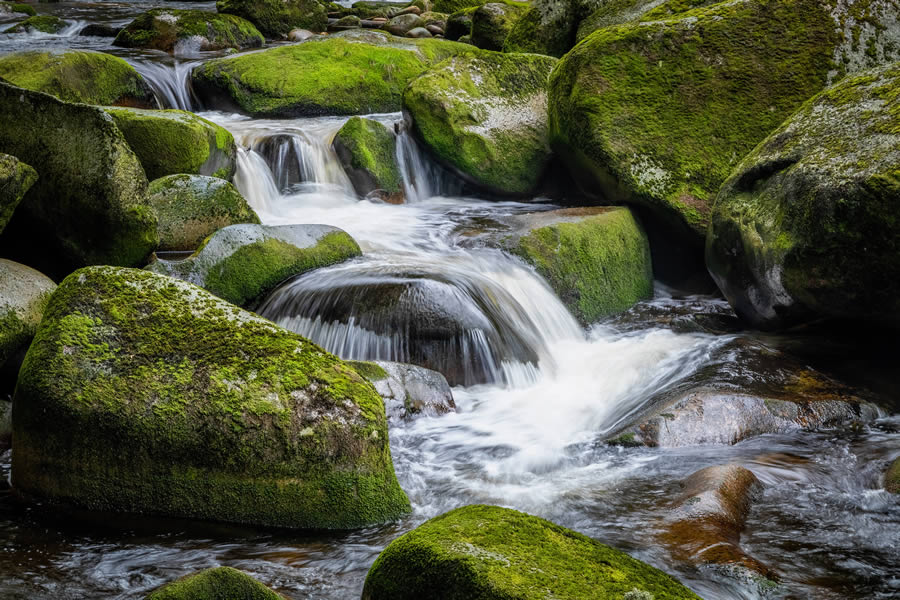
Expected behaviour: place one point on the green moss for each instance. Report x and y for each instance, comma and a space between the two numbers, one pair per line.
459, 24
163, 28
369, 370
619, 12
367, 150
452, 6
626, 440
492, 23
530, 34
78, 76
892, 477
276, 18
494, 553
42, 23
24, 9
15, 180
220, 583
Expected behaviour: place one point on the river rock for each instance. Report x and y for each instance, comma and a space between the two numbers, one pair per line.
892, 477
241, 263
99, 30
401, 24
434, 30
188, 31
24, 294
219, 583
205, 411
495, 553
39, 23
5, 423
15, 180
485, 116
620, 12
276, 18
89, 204
348, 22
376, 9
368, 153
650, 113
799, 232
419, 33
176, 141
300, 35
13, 11
78, 76
542, 32
192, 207
596, 259
492, 22
459, 24
408, 390
353, 72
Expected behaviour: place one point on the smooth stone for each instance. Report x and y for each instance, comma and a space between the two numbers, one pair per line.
408, 390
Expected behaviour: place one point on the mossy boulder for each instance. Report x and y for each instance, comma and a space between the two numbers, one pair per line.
11, 11
659, 113
807, 227
407, 390
24, 294
192, 207
276, 18
596, 259
492, 22
186, 31
176, 141
356, 72
892, 477
485, 116
452, 6
241, 263
459, 24
618, 12
78, 76
219, 583
89, 205
142, 393
15, 179
40, 23
495, 553
367, 151
535, 32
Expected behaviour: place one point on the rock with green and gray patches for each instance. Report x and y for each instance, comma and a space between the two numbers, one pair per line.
89, 205
892, 477
459, 24
495, 553
652, 113
352, 72
807, 227
15, 179
192, 207
241, 263
492, 22
78, 76
24, 293
597, 260
485, 116
220, 583
39, 23
367, 150
408, 390
13, 11
206, 411
542, 32
168, 142
618, 12
188, 31
452, 6
276, 18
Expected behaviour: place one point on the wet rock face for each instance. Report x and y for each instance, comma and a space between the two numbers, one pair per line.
368, 154
215, 584
188, 31
408, 390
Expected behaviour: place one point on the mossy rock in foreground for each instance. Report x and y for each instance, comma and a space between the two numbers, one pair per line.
367, 151
494, 553
596, 259
220, 583
241, 263
168, 142
808, 226
78, 76
276, 18
15, 179
164, 28
145, 394
40, 23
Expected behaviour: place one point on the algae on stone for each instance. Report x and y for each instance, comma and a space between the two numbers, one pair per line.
219, 583
166, 29
276, 18
367, 151
16, 178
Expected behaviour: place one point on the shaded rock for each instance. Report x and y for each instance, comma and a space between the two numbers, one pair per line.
220, 583
206, 411
892, 477
188, 31
240, 263
276, 18
491, 553
78, 76
400, 25
300, 35
542, 32
15, 179
433, 30
24, 294
176, 141
492, 22
459, 24
192, 207
100, 30
419, 32
13, 11
5, 424
370, 9
408, 390
367, 151
801, 231
41, 23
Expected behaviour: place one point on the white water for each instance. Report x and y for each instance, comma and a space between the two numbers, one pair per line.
170, 82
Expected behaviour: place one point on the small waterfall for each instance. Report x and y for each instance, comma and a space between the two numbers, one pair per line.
422, 177
171, 83
299, 158
254, 180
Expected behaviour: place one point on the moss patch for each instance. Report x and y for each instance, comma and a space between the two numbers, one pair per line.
275, 18
163, 28
892, 477
15, 179
42, 23
220, 583
369, 370
14, 7
367, 151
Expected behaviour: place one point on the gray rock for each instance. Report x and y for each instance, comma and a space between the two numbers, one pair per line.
408, 390
419, 32
300, 35
400, 25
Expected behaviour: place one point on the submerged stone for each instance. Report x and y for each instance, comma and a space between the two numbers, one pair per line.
24, 294
188, 31
276, 18
15, 179
219, 583
367, 150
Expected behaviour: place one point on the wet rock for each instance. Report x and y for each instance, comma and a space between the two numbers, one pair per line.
892, 477
99, 30
78, 76
459, 24
5, 424
205, 410
39, 23
185, 32
408, 390
24, 294
15, 179
434, 30
276, 18
492, 22
89, 204
485, 116
13, 11
192, 207
491, 552
419, 32
215, 584
799, 232
240, 263
368, 153
300, 35
168, 142
367, 9
400, 25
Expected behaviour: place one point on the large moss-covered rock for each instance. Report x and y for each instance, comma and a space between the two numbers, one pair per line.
176, 141
143, 393
542, 32
807, 227
39, 23
240, 263
192, 207
357, 72
15, 179
659, 113
78, 76
276, 18
367, 150
495, 553
596, 259
492, 22
485, 116
220, 583
89, 205
186, 31
617, 12
24, 293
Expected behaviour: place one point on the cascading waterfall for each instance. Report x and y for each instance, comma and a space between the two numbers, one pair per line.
171, 83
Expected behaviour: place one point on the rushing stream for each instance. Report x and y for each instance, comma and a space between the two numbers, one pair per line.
537, 394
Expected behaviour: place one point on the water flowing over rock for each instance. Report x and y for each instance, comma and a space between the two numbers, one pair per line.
186, 32
368, 153
15, 179
408, 390
205, 411
24, 294
214, 584
276, 18
41, 23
